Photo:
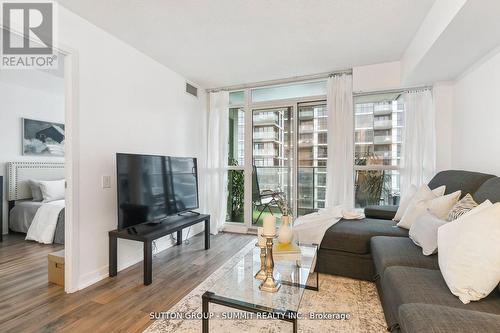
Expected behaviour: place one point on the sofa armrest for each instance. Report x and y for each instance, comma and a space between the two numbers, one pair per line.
381, 212
418, 318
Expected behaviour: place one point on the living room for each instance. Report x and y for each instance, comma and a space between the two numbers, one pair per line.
261, 166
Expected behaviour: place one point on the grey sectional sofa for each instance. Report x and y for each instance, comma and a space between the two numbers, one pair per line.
412, 290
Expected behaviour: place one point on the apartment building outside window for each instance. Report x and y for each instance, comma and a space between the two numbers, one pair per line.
378, 128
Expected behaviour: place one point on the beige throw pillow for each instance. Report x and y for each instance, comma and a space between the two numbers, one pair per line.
418, 206
410, 195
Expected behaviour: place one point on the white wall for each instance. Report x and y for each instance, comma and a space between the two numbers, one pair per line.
435, 22
443, 103
25, 94
476, 118
128, 102
376, 77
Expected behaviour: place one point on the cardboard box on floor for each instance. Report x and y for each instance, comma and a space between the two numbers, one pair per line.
56, 267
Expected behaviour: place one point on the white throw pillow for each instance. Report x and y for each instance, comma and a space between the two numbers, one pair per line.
53, 190
404, 202
407, 199
424, 232
469, 253
418, 205
36, 192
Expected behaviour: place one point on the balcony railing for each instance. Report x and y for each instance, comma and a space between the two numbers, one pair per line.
265, 118
273, 136
265, 152
382, 124
382, 139
311, 189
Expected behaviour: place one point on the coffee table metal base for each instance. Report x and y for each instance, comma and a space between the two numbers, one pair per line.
209, 297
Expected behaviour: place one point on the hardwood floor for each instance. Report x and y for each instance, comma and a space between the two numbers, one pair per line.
28, 303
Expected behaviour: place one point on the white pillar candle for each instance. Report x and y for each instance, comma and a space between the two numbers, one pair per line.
261, 240
269, 225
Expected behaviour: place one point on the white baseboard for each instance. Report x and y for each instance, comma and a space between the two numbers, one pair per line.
91, 278
237, 229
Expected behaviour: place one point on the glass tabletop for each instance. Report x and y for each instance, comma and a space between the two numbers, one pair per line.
293, 271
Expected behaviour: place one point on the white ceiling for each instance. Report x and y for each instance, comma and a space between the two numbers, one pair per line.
224, 42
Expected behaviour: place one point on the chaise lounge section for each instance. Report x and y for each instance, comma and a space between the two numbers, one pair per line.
412, 290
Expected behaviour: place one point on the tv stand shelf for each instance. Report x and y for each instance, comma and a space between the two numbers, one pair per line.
147, 233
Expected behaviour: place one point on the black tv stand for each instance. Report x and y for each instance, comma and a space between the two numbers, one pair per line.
192, 213
147, 233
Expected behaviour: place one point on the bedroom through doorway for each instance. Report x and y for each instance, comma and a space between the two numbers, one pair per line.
33, 180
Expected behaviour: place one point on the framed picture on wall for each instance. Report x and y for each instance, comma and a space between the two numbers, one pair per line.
43, 138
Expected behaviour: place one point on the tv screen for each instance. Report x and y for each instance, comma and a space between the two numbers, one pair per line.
151, 188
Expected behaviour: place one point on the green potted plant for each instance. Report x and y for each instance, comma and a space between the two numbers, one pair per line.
236, 191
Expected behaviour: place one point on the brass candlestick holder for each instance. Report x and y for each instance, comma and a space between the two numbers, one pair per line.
269, 284
261, 274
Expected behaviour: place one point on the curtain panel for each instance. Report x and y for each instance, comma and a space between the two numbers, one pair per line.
217, 158
418, 164
340, 162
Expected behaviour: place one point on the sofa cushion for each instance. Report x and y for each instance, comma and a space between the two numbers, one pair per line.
404, 285
399, 251
455, 180
416, 318
354, 235
381, 212
490, 190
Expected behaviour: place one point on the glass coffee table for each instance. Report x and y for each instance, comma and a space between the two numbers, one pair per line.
238, 289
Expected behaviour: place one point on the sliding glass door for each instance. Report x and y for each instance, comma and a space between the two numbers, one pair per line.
272, 170
277, 152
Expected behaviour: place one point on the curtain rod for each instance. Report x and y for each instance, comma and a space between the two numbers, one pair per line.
280, 81
389, 91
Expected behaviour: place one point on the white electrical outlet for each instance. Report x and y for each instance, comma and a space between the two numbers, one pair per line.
106, 181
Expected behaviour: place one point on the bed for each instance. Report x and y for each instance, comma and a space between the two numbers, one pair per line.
22, 209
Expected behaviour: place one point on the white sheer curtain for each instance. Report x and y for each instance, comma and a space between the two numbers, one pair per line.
217, 156
340, 164
418, 164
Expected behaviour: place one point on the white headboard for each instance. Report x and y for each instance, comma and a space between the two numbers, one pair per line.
20, 172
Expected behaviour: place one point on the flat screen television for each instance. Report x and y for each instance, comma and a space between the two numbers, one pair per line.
152, 188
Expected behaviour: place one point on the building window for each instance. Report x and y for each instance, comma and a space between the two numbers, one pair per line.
378, 122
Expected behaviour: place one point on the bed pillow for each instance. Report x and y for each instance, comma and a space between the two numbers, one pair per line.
36, 192
463, 206
424, 232
418, 205
469, 253
410, 195
53, 190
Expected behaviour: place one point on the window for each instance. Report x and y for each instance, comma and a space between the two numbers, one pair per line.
295, 90
284, 130
312, 156
378, 131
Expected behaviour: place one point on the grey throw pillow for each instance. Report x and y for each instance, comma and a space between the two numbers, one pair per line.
36, 192
463, 206
424, 232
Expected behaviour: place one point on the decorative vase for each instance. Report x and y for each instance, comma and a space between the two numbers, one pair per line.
285, 234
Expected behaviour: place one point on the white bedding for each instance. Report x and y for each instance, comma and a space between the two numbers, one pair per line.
43, 227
